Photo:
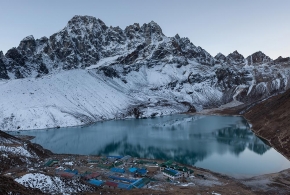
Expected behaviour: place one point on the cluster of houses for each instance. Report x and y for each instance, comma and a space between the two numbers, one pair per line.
123, 172
112, 182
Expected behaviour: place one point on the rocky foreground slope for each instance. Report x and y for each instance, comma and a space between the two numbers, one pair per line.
15, 152
22, 170
271, 120
89, 72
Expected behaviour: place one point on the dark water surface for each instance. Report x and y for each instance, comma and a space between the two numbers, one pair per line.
223, 144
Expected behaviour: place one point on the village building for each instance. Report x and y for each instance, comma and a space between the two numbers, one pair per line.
88, 176
96, 182
169, 165
171, 174
68, 174
126, 159
117, 170
110, 184
138, 172
50, 163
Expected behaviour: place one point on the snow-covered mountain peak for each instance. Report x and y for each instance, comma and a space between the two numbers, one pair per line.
135, 27
177, 36
282, 60
28, 38
85, 23
84, 20
235, 58
27, 46
220, 55
152, 32
43, 39
154, 27
236, 52
258, 58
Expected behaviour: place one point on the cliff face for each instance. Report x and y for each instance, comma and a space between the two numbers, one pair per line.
270, 120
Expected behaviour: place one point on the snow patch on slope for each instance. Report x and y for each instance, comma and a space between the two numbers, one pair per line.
20, 151
51, 184
67, 99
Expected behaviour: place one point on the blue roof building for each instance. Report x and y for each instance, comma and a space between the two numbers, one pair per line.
142, 171
117, 170
96, 182
133, 169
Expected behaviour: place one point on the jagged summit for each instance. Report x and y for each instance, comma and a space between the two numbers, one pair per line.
280, 59
82, 17
235, 58
235, 53
258, 58
28, 38
86, 22
154, 27
220, 57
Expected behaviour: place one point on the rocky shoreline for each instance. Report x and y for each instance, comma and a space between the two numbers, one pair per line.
269, 119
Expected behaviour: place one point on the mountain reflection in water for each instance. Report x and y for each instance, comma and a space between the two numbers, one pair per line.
195, 140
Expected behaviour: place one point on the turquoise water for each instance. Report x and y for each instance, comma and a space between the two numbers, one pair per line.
223, 144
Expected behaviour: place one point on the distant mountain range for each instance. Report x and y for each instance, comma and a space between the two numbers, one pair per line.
89, 72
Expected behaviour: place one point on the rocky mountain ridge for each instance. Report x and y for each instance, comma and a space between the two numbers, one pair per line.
86, 40
137, 72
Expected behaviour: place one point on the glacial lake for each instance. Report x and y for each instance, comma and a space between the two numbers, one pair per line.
223, 144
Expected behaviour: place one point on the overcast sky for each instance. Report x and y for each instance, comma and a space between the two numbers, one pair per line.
215, 25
